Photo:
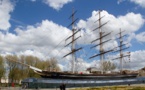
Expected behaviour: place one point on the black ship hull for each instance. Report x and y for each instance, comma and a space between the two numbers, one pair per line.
98, 77
61, 75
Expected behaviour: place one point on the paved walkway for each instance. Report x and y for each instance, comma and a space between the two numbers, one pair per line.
19, 88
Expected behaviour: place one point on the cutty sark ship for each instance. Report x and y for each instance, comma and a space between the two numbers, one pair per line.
52, 79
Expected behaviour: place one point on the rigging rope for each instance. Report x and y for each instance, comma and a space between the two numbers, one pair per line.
58, 44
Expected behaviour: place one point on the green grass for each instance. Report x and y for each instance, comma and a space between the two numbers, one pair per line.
113, 88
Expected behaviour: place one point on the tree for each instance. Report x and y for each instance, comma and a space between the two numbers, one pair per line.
13, 68
23, 69
46, 65
54, 65
2, 68
108, 66
19, 66
32, 61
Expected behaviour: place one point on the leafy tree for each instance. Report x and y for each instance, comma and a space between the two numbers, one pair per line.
46, 65
13, 68
32, 61
2, 68
23, 69
19, 66
54, 65
108, 66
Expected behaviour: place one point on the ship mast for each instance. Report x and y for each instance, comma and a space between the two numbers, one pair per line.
101, 45
73, 49
101, 42
73, 44
121, 56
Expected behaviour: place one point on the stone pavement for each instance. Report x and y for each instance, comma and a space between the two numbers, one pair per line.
19, 88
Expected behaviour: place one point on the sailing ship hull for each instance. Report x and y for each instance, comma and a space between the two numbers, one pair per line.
91, 77
71, 83
63, 75
56, 79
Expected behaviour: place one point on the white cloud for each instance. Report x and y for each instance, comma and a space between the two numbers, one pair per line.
82, 65
39, 40
56, 4
130, 38
141, 37
129, 23
137, 59
5, 9
139, 2
31, 53
125, 22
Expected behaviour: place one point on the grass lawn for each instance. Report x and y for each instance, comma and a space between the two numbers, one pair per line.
114, 88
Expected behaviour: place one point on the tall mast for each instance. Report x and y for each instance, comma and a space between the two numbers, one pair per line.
129, 56
101, 42
73, 44
121, 56
73, 39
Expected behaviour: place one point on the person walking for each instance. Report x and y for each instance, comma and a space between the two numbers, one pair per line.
60, 87
63, 86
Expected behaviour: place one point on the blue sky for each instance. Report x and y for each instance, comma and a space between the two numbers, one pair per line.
35, 27
31, 12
